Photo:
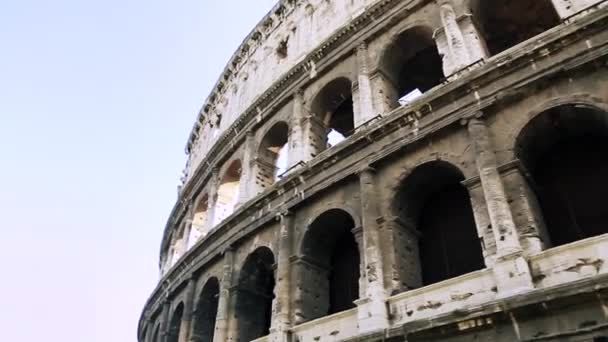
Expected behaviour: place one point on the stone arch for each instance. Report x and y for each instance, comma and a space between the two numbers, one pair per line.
330, 266
435, 210
199, 227
206, 312
410, 65
175, 324
255, 293
564, 148
333, 112
505, 23
228, 191
271, 159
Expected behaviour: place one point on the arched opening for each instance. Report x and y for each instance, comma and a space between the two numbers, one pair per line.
333, 108
411, 66
272, 155
565, 150
199, 222
333, 283
255, 293
175, 324
228, 192
206, 312
433, 202
505, 23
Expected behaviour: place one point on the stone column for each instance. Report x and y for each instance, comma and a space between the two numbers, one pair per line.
529, 219
214, 185
510, 269
568, 8
296, 147
164, 321
366, 105
281, 320
222, 320
247, 173
458, 40
373, 313
482, 219
307, 136
186, 325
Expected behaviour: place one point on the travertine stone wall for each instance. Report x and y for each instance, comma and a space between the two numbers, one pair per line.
269, 283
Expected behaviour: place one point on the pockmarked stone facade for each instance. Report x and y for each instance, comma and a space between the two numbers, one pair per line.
397, 170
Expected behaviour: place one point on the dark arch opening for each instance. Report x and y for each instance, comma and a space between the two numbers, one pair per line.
333, 285
206, 312
565, 149
433, 201
412, 65
333, 106
505, 23
255, 295
175, 324
272, 155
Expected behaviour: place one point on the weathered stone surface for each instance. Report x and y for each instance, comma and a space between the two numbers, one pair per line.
445, 179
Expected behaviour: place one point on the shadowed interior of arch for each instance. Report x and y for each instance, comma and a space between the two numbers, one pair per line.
411, 65
175, 324
433, 202
206, 312
505, 23
565, 150
254, 296
334, 283
333, 108
271, 160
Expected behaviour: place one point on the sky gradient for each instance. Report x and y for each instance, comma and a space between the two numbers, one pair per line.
97, 99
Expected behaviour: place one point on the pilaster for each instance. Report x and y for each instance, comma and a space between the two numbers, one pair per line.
458, 40
373, 313
482, 219
247, 173
510, 269
212, 198
365, 108
529, 220
281, 320
299, 144
186, 325
222, 320
164, 321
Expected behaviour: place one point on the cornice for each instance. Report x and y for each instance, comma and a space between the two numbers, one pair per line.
244, 51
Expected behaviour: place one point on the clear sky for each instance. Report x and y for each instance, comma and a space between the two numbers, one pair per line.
97, 98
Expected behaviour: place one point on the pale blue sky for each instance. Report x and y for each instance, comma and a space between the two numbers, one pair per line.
97, 99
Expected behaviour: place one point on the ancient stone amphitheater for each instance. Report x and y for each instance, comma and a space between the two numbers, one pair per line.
397, 170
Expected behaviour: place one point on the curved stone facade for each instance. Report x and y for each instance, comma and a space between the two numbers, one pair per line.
397, 170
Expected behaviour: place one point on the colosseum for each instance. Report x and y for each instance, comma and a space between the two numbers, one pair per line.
397, 170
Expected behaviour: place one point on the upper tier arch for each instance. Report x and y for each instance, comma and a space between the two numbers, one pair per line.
281, 40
